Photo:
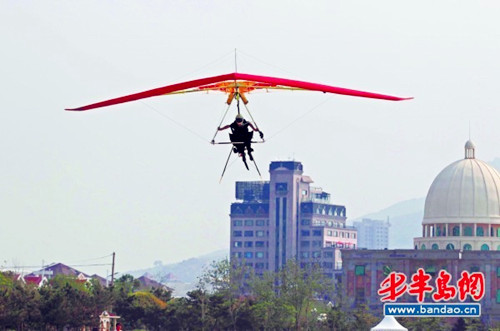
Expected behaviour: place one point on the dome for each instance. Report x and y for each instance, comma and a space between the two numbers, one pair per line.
469, 145
466, 189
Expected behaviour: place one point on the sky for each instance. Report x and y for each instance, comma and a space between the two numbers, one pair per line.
141, 179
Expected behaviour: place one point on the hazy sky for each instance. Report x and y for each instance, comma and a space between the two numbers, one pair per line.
76, 186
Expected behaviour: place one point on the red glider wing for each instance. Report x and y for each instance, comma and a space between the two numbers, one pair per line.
233, 81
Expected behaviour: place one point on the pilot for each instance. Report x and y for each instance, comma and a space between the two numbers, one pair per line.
240, 133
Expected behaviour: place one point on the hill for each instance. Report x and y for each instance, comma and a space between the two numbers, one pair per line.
405, 218
181, 276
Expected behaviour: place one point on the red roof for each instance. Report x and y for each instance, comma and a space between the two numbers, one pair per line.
33, 279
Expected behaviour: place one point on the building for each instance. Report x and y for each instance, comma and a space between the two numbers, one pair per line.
55, 269
37, 281
287, 218
372, 234
146, 282
462, 208
460, 232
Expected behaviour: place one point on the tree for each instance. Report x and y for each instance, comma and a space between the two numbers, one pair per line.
148, 310
299, 287
362, 319
140, 308
424, 323
228, 282
66, 302
101, 299
475, 324
270, 311
161, 293
126, 284
19, 304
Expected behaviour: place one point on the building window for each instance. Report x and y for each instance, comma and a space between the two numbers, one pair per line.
260, 222
304, 244
359, 270
305, 222
259, 265
304, 254
342, 234
329, 233
237, 254
431, 270
259, 244
248, 233
328, 254
238, 244
479, 232
485, 247
248, 255
248, 243
237, 223
353, 236
259, 255
456, 231
236, 233
317, 233
467, 247
328, 265
347, 234
498, 271
281, 187
474, 268
317, 243
259, 233
316, 254
305, 233
335, 234
248, 222
468, 231
435, 246
450, 247
422, 247
360, 296
498, 296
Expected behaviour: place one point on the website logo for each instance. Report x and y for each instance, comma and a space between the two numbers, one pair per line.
469, 287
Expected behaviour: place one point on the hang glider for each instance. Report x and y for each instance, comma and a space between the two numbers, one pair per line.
237, 84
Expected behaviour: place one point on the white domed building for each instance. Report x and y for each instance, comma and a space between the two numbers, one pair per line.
462, 208
460, 232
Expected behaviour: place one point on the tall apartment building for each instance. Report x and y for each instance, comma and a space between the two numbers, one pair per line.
372, 234
287, 218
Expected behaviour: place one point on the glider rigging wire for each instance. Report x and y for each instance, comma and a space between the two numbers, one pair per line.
174, 121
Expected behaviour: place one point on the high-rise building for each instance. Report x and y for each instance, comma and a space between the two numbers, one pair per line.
287, 218
372, 234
